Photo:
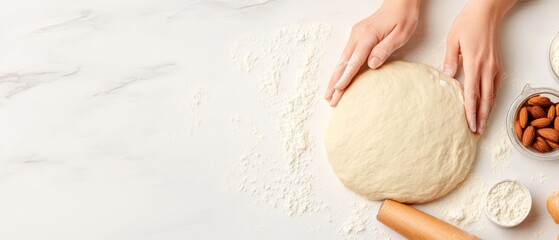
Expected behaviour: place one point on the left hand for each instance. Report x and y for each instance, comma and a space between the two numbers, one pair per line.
475, 37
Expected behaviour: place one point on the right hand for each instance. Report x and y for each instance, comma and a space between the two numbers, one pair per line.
373, 40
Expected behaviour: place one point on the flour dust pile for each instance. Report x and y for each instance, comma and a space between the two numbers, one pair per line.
463, 206
498, 147
284, 66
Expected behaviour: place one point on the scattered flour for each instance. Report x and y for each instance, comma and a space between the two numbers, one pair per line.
554, 54
463, 206
285, 66
199, 96
538, 234
541, 178
360, 225
508, 203
498, 149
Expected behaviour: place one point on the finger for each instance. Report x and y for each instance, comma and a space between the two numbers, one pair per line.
354, 64
451, 59
385, 48
346, 54
471, 93
487, 99
336, 97
498, 77
497, 82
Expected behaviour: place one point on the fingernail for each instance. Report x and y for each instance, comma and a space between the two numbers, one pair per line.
374, 63
339, 84
473, 126
335, 99
448, 71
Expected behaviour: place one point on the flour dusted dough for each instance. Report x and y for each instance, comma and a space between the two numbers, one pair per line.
400, 132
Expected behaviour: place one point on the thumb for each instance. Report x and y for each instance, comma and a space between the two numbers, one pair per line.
451, 58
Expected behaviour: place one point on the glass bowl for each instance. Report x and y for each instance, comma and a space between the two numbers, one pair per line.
555, 73
527, 93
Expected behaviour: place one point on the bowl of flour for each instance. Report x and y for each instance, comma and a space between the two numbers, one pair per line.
508, 203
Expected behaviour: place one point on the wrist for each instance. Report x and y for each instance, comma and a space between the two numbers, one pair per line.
496, 9
407, 5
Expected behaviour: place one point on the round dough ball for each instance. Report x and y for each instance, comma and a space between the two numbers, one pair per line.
400, 132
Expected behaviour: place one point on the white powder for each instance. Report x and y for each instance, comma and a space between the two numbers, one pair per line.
497, 146
284, 66
508, 203
359, 224
541, 178
538, 234
198, 97
554, 54
463, 206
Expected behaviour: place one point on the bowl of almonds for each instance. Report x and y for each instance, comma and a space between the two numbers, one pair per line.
533, 123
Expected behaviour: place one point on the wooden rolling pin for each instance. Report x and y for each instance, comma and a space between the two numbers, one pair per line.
414, 224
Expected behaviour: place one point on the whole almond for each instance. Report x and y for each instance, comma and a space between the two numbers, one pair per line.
518, 130
540, 101
528, 136
538, 112
541, 145
557, 109
541, 122
556, 124
551, 112
552, 144
549, 134
523, 117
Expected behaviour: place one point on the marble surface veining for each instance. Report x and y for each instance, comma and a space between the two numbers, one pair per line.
115, 117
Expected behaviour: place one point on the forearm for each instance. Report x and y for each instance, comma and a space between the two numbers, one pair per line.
494, 9
406, 5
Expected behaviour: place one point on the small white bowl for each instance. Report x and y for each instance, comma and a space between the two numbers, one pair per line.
522, 218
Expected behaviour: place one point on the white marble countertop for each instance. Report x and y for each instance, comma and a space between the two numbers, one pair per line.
160, 119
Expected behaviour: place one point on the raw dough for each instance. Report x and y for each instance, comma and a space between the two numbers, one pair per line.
400, 132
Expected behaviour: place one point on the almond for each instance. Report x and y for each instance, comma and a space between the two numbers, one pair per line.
552, 144
551, 112
528, 136
518, 130
541, 145
540, 101
556, 124
538, 112
557, 109
549, 134
541, 122
523, 117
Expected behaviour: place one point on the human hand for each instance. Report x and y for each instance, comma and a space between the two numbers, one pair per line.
474, 37
373, 40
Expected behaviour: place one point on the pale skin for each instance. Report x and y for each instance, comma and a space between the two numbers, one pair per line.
472, 43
